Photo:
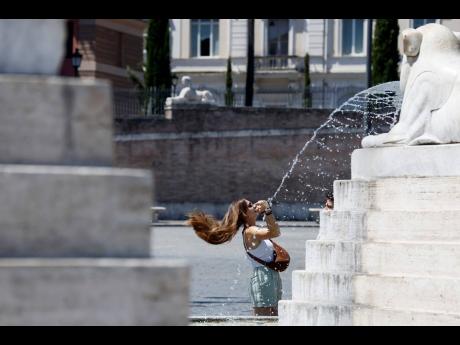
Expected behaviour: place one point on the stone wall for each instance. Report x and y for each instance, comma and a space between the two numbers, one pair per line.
205, 157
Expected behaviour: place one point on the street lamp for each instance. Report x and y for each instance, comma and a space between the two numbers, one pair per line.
76, 61
174, 82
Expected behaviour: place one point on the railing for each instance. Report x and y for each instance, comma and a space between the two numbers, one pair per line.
329, 97
132, 103
276, 62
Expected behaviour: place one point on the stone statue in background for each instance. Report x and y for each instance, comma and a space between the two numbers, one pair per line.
32, 46
429, 79
189, 95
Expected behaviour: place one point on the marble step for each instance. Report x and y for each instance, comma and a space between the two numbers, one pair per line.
342, 225
398, 194
369, 316
326, 287
377, 225
81, 292
300, 313
332, 256
429, 225
59, 211
437, 294
55, 120
411, 258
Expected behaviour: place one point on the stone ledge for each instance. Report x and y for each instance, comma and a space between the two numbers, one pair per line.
93, 292
54, 211
406, 161
55, 120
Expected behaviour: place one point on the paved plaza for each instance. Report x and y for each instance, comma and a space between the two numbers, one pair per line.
220, 274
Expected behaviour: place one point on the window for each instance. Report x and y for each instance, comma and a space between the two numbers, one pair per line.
352, 36
205, 37
419, 22
278, 36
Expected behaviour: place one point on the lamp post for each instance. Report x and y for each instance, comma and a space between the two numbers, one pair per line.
76, 61
367, 118
250, 65
174, 83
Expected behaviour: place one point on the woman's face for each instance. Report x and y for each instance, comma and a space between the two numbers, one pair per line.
251, 212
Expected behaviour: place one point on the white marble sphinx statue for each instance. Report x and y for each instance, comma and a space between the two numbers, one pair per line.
189, 95
430, 81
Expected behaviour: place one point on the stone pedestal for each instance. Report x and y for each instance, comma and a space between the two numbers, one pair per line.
389, 253
170, 108
74, 231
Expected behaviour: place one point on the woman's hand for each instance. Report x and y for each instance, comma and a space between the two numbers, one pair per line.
261, 205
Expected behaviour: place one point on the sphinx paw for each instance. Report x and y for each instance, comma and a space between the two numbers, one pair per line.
425, 139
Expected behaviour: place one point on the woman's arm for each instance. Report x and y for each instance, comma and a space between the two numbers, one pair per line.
272, 230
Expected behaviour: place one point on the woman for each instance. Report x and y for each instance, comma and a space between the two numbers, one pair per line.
265, 287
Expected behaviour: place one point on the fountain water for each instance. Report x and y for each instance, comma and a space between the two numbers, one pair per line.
368, 112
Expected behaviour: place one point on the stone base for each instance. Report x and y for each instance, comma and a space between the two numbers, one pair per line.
57, 211
368, 316
408, 292
323, 287
301, 313
81, 292
404, 161
55, 120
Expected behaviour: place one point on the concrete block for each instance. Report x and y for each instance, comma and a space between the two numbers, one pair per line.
434, 294
406, 161
81, 292
322, 287
411, 258
299, 313
368, 316
58, 211
332, 256
342, 225
55, 120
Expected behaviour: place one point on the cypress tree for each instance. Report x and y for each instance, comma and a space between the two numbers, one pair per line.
229, 84
307, 82
158, 67
385, 53
157, 70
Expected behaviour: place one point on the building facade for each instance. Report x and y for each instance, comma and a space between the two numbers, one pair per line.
108, 46
337, 49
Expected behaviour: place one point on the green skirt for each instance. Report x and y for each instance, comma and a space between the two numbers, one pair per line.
265, 287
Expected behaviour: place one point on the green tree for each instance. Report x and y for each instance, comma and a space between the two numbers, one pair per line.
229, 84
156, 84
307, 82
385, 53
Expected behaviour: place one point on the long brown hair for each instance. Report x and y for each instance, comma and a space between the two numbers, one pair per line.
217, 232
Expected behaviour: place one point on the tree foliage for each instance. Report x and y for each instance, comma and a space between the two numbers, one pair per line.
158, 66
229, 96
307, 82
385, 53
156, 69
